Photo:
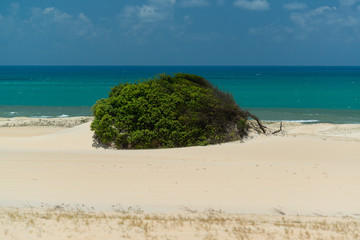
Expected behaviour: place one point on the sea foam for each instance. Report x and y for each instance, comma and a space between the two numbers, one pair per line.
63, 116
295, 121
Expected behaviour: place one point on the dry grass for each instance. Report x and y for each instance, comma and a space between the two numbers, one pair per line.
63, 222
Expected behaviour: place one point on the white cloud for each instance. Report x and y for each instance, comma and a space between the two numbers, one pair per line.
51, 19
48, 10
50, 22
48, 16
148, 12
151, 12
194, 3
163, 3
348, 2
141, 20
295, 6
313, 17
83, 17
256, 5
52, 14
338, 23
321, 10
83, 26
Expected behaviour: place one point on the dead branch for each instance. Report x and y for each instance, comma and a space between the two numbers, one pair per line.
261, 126
277, 131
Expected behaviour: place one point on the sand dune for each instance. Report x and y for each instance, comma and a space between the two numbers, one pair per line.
301, 184
311, 170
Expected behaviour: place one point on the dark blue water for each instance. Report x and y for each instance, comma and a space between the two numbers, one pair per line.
325, 94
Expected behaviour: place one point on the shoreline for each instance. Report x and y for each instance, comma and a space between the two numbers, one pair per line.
305, 115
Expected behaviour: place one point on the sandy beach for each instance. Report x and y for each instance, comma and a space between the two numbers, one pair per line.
307, 174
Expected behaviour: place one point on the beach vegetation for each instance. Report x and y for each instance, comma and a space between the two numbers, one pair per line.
80, 223
168, 111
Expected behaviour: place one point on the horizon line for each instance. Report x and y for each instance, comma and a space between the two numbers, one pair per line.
222, 65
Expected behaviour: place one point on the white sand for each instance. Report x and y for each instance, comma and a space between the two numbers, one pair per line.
55, 185
314, 169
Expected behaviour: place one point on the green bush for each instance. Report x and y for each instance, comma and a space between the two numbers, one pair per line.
168, 111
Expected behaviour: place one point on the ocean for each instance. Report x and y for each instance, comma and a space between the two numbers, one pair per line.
302, 94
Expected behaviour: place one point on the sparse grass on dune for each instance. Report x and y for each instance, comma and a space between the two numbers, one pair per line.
76, 223
44, 122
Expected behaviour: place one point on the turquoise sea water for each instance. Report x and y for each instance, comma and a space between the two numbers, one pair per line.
309, 94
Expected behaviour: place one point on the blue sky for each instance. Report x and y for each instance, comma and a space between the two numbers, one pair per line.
179, 32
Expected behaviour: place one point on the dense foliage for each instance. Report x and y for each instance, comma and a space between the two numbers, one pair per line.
168, 111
